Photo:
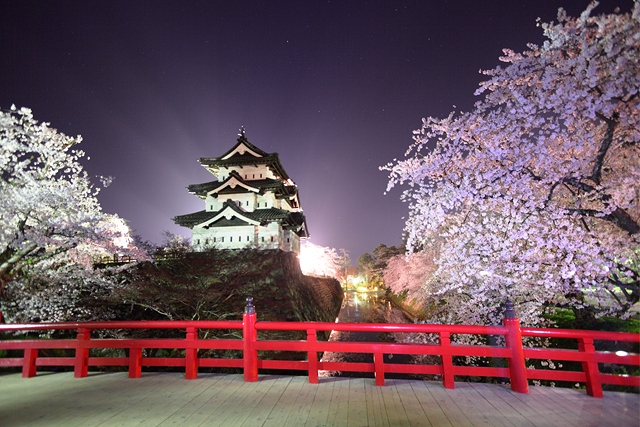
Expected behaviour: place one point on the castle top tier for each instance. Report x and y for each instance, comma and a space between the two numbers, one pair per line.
252, 203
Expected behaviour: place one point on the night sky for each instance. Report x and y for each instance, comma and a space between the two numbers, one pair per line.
335, 87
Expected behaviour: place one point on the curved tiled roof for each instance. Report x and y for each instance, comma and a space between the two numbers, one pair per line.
295, 221
263, 185
271, 159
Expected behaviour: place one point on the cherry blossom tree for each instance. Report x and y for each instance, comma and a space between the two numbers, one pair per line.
372, 265
533, 195
49, 212
410, 273
319, 260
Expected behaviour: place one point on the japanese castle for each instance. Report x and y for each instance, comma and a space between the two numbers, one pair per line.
252, 203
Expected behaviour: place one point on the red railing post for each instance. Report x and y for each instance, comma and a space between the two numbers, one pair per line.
249, 336
135, 362
312, 356
447, 361
590, 367
517, 366
191, 356
81, 365
29, 362
378, 368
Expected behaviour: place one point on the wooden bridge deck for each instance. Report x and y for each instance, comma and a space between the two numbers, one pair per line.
167, 399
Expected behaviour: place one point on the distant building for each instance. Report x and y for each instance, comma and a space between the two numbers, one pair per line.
253, 203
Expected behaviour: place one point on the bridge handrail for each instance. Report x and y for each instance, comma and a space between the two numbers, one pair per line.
580, 333
124, 324
425, 328
516, 355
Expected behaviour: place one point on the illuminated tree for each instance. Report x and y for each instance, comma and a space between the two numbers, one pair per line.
49, 213
410, 273
319, 260
372, 265
535, 191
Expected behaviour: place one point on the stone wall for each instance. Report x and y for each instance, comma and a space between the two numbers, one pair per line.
219, 281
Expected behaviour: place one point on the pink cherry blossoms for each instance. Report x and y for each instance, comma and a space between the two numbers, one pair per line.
533, 195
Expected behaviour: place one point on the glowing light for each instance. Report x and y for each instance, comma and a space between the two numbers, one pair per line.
317, 260
124, 239
621, 353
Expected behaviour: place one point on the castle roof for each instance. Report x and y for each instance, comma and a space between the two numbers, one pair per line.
244, 153
236, 184
232, 215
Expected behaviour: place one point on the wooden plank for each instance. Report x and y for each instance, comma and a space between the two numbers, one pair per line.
588, 409
166, 399
395, 410
149, 403
483, 413
552, 411
233, 404
81, 401
282, 409
357, 411
574, 404
474, 413
623, 406
166, 404
502, 408
300, 409
430, 405
198, 406
446, 398
376, 410
339, 408
319, 411
413, 409
119, 398
530, 408
249, 397
260, 413
208, 402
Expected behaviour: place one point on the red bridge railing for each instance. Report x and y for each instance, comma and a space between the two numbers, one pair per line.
514, 352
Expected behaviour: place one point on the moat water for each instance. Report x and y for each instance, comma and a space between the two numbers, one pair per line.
369, 307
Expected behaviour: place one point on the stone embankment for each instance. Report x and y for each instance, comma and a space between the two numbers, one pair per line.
224, 279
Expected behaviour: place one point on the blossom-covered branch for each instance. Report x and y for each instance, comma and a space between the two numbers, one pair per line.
539, 183
47, 203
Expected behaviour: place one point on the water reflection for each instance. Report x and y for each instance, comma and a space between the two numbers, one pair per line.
364, 307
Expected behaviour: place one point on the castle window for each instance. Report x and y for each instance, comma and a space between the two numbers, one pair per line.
254, 175
231, 238
198, 242
214, 240
222, 239
239, 203
272, 238
239, 238
245, 176
247, 203
247, 238
260, 175
206, 241
263, 238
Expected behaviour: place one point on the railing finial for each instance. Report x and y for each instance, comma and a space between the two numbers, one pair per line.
509, 312
249, 308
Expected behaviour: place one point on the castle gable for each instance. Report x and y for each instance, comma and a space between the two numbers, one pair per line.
229, 212
241, 150
233, 184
